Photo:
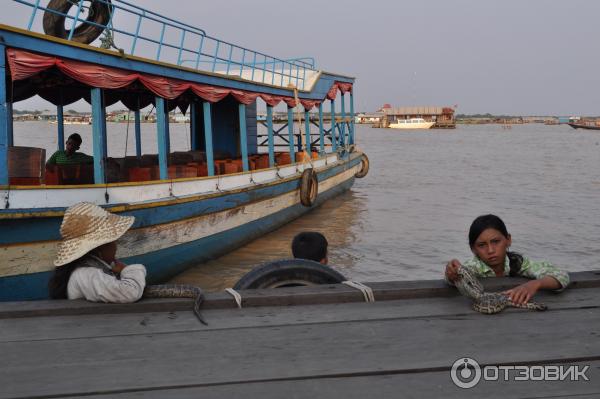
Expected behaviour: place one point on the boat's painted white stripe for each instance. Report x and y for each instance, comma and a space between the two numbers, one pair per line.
38, 257
144, 193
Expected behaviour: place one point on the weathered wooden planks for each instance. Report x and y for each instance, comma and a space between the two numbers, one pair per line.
324, 294
402, 345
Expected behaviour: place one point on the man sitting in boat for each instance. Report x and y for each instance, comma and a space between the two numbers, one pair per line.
310, 245
70, 156
86, 266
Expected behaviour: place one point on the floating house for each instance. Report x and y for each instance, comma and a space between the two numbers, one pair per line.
442, 116
189, 206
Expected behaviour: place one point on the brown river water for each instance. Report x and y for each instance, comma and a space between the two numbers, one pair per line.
412, 212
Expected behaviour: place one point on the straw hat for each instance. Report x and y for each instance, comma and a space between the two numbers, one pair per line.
86, 226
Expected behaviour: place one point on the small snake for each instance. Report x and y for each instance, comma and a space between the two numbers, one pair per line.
178, 291
488, 302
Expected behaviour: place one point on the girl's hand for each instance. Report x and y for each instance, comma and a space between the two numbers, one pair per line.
118, 266
452, 269
524, 292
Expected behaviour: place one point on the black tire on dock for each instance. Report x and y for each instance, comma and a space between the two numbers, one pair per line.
54, 24
309, 187
289, 273
364, 167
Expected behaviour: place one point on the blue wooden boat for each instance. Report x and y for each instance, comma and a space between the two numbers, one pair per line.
231, 187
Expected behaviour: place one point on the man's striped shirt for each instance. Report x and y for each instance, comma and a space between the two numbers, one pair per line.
61, 158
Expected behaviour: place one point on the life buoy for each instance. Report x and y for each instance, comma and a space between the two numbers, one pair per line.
364, 167
289, 273
99, 12
309, 187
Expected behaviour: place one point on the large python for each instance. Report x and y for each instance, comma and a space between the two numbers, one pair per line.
487, 302
178, 291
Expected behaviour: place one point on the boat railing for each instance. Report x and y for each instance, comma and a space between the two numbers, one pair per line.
170, 41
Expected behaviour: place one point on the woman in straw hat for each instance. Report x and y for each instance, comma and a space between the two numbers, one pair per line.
86, 263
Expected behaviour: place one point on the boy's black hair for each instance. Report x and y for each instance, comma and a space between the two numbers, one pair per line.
310, 245
75, 137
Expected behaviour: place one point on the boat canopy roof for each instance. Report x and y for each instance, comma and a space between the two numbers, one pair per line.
63, 81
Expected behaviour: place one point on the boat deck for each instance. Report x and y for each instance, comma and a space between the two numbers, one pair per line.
302, 342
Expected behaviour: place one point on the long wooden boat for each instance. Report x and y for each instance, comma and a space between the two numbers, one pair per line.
583, 125
231, 187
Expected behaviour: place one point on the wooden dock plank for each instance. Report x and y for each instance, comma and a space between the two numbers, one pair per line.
418, 386
305, 351
323, 294
100, 325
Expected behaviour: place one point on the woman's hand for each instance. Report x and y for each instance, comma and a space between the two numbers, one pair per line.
118, 266
452, 269
524, 292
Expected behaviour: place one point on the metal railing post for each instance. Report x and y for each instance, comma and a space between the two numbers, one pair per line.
210, 159
343, 127
333, 124
98, 131
162, 131
243, 136
4, 131
290, 111
352, 121
321, 130
271, 139
60, 124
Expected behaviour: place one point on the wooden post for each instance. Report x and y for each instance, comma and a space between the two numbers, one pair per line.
270, 136
321, 130
243, 136
162, 131
98, 132
333, 136
210, 160
60, 123
291, 134
4, 129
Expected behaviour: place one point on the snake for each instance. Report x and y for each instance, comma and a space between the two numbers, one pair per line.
488, 302
177, 291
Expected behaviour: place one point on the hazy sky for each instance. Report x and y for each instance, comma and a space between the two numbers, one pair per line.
509, 56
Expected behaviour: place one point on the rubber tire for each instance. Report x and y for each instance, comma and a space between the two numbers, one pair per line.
364, 170
54, 24
309, 187
289, 273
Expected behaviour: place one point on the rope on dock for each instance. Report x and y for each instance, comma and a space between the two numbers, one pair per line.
236, 295
367, 291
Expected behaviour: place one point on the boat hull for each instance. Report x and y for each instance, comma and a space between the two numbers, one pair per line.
412, 126
583, 126
171, 236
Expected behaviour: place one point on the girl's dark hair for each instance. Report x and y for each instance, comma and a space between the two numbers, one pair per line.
57, 286
490, 221
485, 222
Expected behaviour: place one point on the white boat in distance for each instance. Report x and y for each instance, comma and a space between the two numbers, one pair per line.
412, 123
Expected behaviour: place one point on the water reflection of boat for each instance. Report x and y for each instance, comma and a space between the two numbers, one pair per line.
190, 206
412, 123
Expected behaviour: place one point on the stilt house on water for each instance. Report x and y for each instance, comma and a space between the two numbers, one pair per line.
190, 206
442, 116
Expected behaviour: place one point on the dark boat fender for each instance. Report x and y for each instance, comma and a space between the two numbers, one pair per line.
289, 273
54, 24
309, 187
364, 167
